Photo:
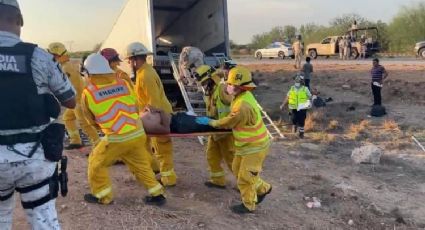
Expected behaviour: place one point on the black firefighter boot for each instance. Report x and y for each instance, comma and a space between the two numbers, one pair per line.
240, 209
73, 146
301, 134
155, 200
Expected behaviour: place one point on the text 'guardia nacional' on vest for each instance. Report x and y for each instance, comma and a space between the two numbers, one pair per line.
8, 63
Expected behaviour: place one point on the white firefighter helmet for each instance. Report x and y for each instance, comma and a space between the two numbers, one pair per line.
97, 64
136, 49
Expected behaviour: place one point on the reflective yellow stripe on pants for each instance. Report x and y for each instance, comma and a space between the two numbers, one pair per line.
103, 193
168, 173
217, 174
155, 189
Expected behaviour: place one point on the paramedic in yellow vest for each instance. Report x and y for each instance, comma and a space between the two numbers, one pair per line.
150, 93
114, 61
110, 103
72, 116
252, 141
298, 101
220, 147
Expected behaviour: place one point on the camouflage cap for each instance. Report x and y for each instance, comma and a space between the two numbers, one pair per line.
13, 3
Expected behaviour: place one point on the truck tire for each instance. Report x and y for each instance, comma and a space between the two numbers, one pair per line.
354, 53
312, 54
259, 55
281, 55
422, 53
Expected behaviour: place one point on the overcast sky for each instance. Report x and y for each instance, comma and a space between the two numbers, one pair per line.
83, 23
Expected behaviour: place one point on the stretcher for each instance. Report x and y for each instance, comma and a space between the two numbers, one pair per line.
189, 135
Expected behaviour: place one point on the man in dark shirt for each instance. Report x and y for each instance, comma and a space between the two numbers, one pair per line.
156, 121
378, 74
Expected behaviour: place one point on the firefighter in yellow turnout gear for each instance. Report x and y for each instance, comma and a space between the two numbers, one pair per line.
251, 139
72, 116
150, 93
110, 103
220, 147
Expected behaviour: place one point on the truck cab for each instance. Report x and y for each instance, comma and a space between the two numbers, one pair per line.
327, 47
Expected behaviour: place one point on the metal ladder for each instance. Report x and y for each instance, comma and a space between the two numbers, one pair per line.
273, 131
420, 141
193, 95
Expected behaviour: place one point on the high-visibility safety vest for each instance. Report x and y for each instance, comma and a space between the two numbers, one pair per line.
114, 107
298, 97
250, 138
222, 109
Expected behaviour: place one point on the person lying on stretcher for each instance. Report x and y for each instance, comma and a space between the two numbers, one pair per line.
156, 121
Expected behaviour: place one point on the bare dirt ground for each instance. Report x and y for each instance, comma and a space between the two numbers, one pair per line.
390, 195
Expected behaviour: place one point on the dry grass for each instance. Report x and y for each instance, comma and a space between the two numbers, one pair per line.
333, 125
359, 130
390, 125
314, 121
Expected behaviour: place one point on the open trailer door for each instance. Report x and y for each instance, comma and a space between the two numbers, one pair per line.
133, 24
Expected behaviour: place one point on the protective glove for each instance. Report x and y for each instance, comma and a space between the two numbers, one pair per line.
203, 120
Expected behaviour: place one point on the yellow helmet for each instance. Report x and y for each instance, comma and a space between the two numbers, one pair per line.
57, 48
203, 72
240, 76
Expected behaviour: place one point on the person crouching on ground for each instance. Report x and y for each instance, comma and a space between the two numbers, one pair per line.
110, 103
298, 101
252, 142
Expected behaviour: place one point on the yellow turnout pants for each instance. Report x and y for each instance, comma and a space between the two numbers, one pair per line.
70, 119
218, 150
247, 169
163, 147
134, 154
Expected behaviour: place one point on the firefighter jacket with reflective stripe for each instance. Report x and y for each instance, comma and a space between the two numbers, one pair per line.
250, 138
114, 107
22, 106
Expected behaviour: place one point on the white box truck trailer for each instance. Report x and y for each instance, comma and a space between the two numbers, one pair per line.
165, 26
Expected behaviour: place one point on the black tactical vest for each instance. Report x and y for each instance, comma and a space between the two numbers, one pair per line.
21, 106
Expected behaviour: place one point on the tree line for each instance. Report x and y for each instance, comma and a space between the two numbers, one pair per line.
399, 35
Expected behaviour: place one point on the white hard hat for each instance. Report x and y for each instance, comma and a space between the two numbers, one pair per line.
135, 49
13, 3
97, 64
